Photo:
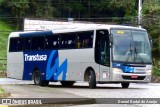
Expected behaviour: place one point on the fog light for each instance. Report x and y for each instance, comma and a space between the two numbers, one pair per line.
149, 71
117, 70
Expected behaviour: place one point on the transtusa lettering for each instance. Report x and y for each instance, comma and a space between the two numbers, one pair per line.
35, 57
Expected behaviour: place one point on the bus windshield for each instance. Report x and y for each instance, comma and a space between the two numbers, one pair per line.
131, 46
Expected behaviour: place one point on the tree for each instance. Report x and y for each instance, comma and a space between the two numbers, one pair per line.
151, 22
17, 8
42, 9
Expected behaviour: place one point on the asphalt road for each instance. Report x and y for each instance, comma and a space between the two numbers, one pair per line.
26, 89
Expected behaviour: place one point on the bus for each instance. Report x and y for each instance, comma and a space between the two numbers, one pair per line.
95, 53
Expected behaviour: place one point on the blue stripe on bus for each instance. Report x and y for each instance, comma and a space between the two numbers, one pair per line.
44, 33
47, 62
125, 69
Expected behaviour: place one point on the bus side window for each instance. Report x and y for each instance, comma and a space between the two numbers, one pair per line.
71, 41
16, 44
78, 41
55, 42
19, 44
48, 42
37, 43
26, 43
68, 41
78, 45
62, 41
40, 43
13, 45
85, 39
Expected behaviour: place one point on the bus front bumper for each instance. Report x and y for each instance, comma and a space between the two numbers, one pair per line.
130, 77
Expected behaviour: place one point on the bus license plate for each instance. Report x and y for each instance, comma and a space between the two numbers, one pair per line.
134, 76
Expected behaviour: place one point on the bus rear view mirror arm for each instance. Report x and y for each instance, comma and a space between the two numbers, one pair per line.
151, 41
111, 39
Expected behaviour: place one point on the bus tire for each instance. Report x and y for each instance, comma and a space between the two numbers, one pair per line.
125, 85
67, 83
92, 79
37, 77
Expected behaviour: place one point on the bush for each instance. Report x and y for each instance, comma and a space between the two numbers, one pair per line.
5, 30
156, 71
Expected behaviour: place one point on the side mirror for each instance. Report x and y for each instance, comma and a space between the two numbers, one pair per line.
150, 40
111, 39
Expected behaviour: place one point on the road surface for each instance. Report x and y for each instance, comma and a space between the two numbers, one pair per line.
26, 89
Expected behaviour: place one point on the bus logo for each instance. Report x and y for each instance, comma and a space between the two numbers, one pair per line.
35, 57
53, 69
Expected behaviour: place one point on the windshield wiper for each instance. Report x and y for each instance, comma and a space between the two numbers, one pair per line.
130, 53
137, 56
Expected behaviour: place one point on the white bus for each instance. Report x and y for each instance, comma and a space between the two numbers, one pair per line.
96, 53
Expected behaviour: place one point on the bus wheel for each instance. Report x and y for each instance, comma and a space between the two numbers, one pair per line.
37, 77
125, 85
67, 83
92, 79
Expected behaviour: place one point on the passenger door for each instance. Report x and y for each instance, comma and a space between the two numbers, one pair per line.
102, 54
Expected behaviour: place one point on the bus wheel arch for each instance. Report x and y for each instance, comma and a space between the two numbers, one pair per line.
90, 76
37, 78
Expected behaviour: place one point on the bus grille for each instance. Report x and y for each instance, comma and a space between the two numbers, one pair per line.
129, 77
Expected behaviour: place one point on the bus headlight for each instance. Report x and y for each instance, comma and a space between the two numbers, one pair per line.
149, 71
117, 70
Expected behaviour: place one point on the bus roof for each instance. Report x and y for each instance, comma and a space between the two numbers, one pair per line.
74, 27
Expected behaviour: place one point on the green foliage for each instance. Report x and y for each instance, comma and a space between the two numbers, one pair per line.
151, 6
151, 21
156, 67
156, 72
5, 30
18, 7
128, 6
71, 8
1, 91
42, 9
